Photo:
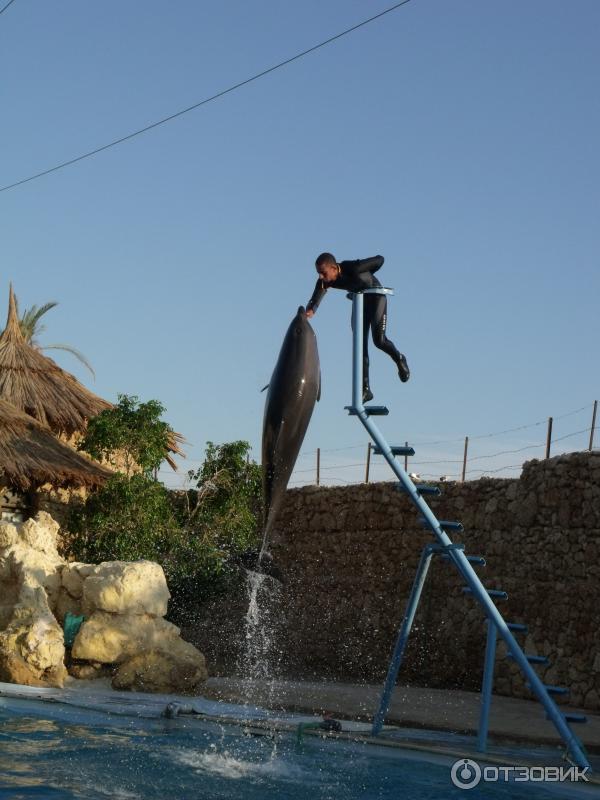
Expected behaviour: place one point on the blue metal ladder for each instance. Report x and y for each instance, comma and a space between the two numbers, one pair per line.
453, 553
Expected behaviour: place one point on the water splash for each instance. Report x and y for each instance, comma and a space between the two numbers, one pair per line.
260, 657
248, 766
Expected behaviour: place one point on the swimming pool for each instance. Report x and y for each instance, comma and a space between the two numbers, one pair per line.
59, 752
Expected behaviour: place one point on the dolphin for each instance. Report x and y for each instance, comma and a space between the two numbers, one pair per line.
294, 389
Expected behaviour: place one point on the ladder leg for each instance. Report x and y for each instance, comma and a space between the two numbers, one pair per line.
401, 641
487, 686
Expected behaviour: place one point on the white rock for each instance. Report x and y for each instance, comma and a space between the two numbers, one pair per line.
73, 575
41, 533
113, 638
126, 587
8, 535
180, 670
32, 646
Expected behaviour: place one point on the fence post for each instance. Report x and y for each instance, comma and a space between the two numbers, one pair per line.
464, 468
368, 462
549, 437
593, 424
318, 466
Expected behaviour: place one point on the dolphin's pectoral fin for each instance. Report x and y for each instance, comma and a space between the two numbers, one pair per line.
319, 390
265, 387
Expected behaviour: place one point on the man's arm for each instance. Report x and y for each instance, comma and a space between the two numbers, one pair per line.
368, 264
318, 294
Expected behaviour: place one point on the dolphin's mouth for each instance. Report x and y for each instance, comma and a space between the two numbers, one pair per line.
301, 310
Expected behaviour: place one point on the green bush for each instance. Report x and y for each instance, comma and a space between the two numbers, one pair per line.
197, 541
127, 519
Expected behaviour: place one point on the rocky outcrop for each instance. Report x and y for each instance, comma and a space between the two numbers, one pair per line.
32, 650
123, 605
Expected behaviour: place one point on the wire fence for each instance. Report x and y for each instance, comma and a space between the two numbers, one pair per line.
453, 459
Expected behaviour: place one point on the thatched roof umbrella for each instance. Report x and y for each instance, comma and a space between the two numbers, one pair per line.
31, 456
36, 385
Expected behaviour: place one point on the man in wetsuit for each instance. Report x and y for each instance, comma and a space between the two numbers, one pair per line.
353, 276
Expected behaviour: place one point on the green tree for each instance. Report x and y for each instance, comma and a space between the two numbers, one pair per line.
228, 502
131, 436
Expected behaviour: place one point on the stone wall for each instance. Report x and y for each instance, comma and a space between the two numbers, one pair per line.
348, 557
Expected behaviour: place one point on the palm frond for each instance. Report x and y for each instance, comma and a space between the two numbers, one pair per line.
68, 349
29, 322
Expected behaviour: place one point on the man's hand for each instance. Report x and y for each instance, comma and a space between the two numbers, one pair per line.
310, 313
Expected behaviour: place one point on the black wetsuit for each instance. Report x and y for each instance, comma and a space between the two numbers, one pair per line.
353, 277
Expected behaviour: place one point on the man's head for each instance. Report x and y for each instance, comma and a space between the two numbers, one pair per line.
327, 267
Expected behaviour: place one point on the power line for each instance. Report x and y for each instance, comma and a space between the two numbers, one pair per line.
202, 102
10, 2
307, 453
508, 430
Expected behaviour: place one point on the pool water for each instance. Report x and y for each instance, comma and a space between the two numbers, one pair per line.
93, 756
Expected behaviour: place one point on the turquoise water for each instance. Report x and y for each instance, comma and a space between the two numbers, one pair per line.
96, 756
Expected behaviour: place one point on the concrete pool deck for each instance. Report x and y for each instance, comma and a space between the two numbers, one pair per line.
511, 719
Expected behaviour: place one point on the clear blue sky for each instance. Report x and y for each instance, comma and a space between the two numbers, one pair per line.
457, 138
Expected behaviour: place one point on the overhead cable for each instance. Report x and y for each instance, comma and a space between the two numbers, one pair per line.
206, 100
10, 2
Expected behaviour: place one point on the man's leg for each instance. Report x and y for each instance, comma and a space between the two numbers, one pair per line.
378, 317
367, 393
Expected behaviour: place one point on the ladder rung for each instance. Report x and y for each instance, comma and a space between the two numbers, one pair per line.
397, 450
517, 627
552, 689
371, 411
477, 560
445, 524
448, 525
532, 659
422, 488
497, 593
571, 717
575, 717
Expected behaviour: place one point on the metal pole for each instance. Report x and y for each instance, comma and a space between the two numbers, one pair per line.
593, 424
403, 634
549, 437
357, 364
464, 469
318, 466
487, 687
406, 458
368, 462
456, 556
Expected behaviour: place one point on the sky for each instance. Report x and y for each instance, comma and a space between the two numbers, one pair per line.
459, 139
